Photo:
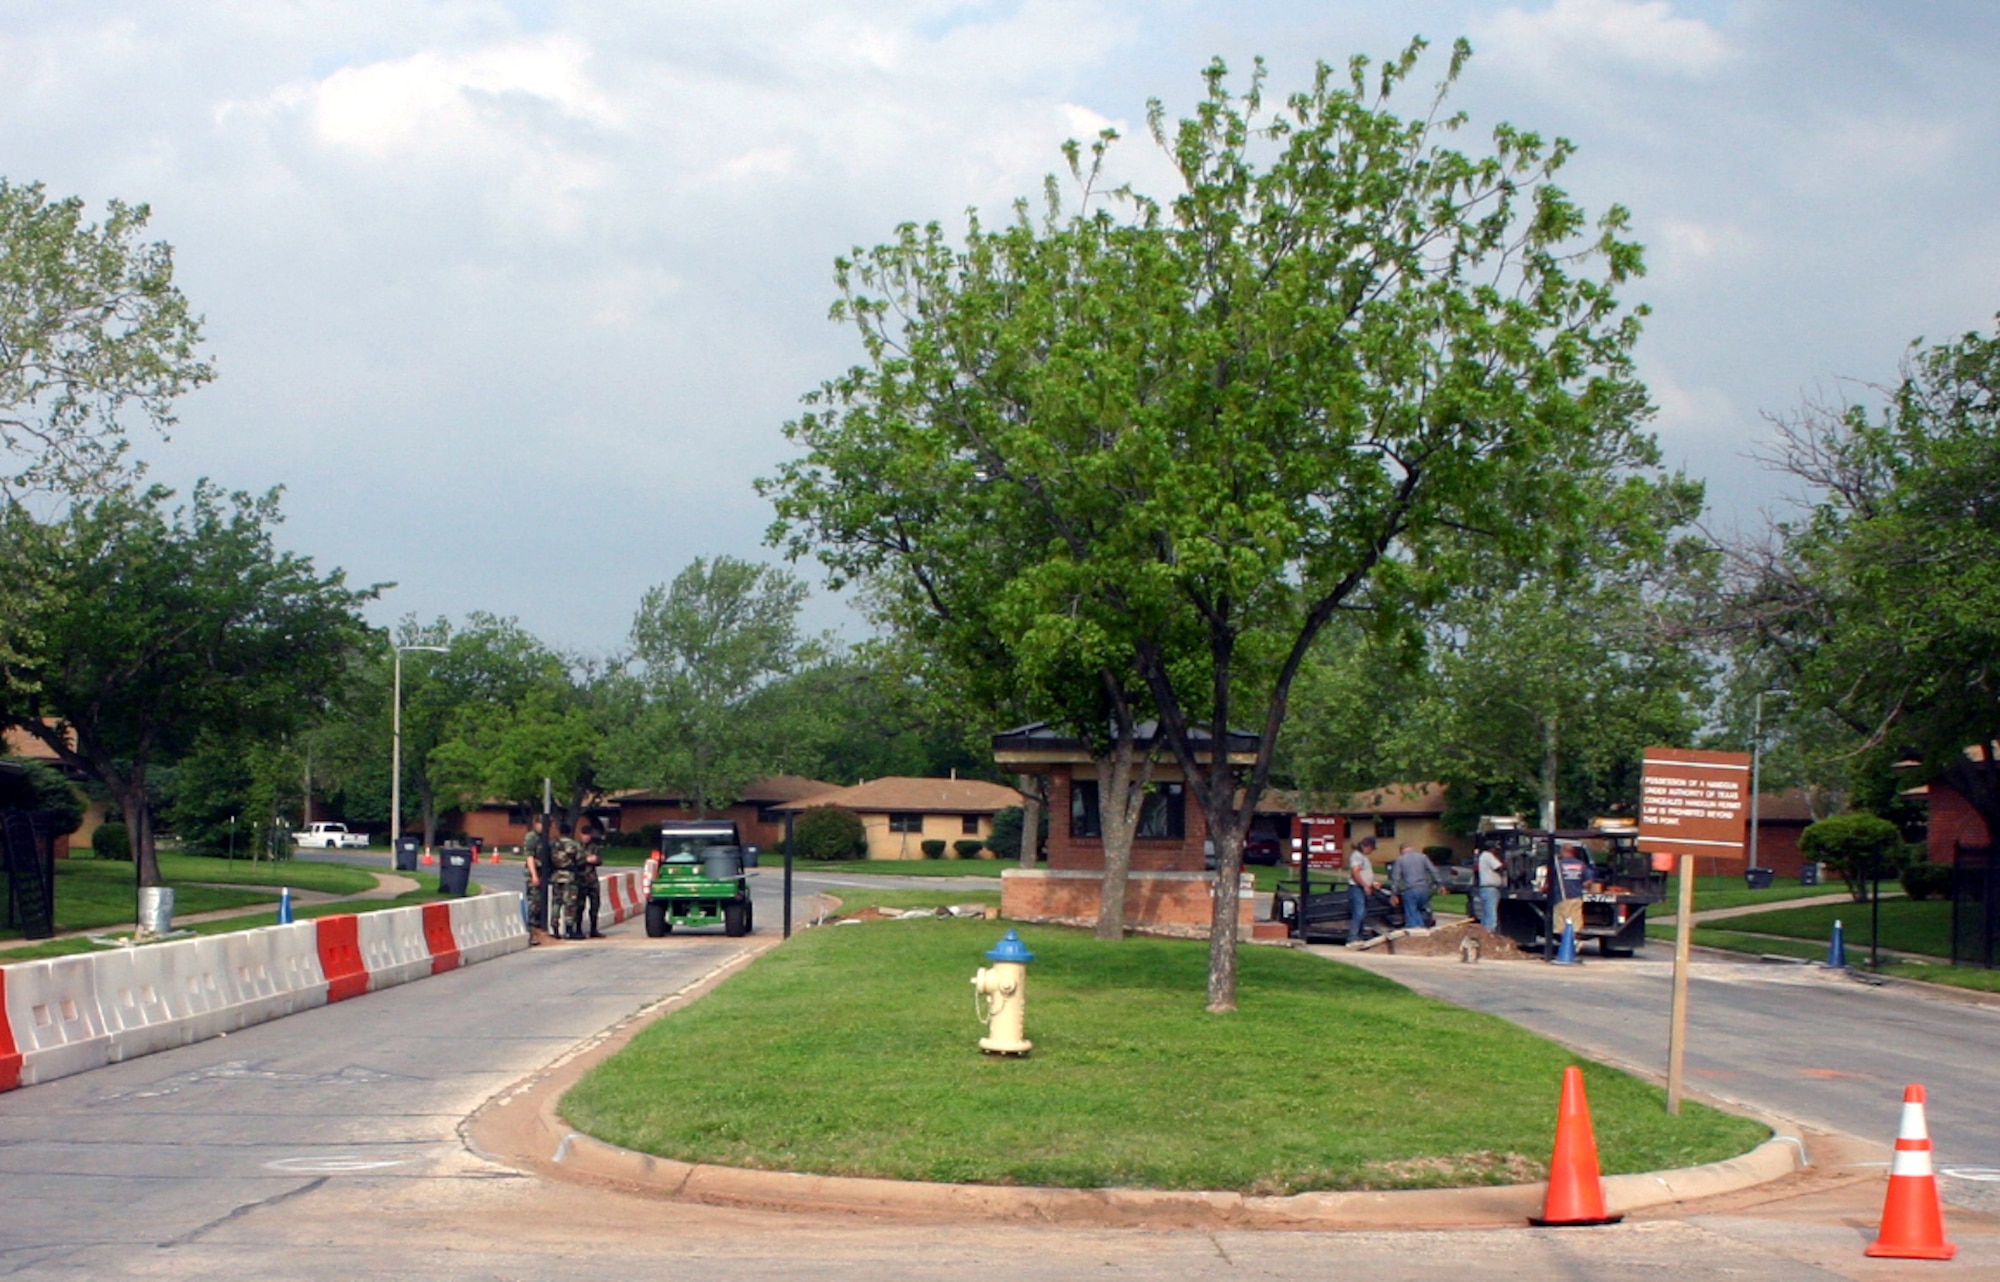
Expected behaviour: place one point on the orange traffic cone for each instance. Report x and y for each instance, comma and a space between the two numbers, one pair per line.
1576, 1188
495, 857
427, 855
1913, 1216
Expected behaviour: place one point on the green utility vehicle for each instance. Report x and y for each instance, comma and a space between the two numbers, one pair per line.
696, 878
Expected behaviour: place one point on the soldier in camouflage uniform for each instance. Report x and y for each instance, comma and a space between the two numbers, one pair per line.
536, 889
566, 886
589, 897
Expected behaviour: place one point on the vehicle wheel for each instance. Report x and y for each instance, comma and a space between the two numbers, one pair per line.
1605, 947
749, 917
657, 925
735, 919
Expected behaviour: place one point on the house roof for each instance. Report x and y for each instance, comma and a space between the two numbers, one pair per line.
902, 794
763, 792
1791, 805
1396, 799
1041, 741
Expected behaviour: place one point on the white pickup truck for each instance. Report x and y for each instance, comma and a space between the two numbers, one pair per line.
329, 837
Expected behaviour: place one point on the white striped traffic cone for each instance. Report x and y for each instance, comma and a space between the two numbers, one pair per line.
1913, 1216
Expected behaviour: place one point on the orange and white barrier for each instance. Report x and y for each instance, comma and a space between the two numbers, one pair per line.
69, 1014
1913, 1215
623, 894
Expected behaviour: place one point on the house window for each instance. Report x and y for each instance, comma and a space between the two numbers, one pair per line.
1162, 816
769, 815
906, 822
1385, 825
969, 825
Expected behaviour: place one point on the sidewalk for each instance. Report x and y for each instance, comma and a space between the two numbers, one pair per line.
1705, 916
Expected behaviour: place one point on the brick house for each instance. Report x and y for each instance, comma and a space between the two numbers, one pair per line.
900, 813
759, 813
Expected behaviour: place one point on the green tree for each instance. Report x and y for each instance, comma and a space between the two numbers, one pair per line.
1335, 365
164, 623
705, 646
92, 330
1854, 845
490, 666
1879, 607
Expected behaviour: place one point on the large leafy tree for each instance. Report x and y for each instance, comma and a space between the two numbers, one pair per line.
704, 646
92, 333
489, 667
159, 624
1879, 604
1336, 365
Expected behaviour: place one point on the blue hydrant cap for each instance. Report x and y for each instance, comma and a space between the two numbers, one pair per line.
1009, 949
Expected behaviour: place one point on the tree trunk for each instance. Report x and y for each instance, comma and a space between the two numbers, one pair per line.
1550, 764
131, 794
1122, 781
1977, 779
1031, 819
429, 804
1222, 926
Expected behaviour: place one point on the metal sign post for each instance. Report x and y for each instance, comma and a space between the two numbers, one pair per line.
789, 818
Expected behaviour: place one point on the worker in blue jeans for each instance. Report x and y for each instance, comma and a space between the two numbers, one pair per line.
1489, 876
1413, 879
1361, 883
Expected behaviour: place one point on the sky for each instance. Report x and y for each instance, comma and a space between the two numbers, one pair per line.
515, 298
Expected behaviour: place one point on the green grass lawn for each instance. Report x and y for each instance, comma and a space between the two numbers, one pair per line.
1730, 892
94, 893
298, 873
853, 1051
853, 900
1908, 926
1734, 941
1974, 977
894, 867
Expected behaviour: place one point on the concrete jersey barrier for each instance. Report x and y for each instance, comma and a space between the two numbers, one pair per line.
69, 1014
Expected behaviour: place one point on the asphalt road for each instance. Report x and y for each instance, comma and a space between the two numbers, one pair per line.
326, 1146
1799, 1042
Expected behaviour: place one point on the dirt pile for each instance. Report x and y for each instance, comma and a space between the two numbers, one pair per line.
1450, 941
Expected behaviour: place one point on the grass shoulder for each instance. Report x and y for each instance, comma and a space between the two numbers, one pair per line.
852, 1051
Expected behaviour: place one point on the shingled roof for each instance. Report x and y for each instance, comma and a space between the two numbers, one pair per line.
904, 795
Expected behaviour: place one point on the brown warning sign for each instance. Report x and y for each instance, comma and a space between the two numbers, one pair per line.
1693, 802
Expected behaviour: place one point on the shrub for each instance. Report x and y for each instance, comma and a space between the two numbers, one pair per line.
112, 841
968, 848
1851, 845
933, 848
1006, 839
645, 837
1922, 880
828, 832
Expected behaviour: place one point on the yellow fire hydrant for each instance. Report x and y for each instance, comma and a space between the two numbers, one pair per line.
1004, 986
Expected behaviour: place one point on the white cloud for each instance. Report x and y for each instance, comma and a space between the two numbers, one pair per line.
1602, 36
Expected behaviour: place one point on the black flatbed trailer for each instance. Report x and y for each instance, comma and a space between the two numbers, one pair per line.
1621, 885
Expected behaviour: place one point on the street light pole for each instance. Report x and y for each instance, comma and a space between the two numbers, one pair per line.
396, 750
1756, 760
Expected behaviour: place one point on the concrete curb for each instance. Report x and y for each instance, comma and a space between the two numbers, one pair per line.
524, 1129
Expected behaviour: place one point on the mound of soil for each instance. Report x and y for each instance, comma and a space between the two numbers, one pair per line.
1449, 941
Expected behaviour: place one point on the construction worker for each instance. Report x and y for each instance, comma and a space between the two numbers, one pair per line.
1571, 871
1360, 885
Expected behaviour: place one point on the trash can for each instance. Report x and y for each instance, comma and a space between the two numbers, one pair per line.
454, 870
1809, 874
407, 849
1758, 878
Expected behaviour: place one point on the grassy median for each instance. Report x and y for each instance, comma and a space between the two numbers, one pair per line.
852, 1051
